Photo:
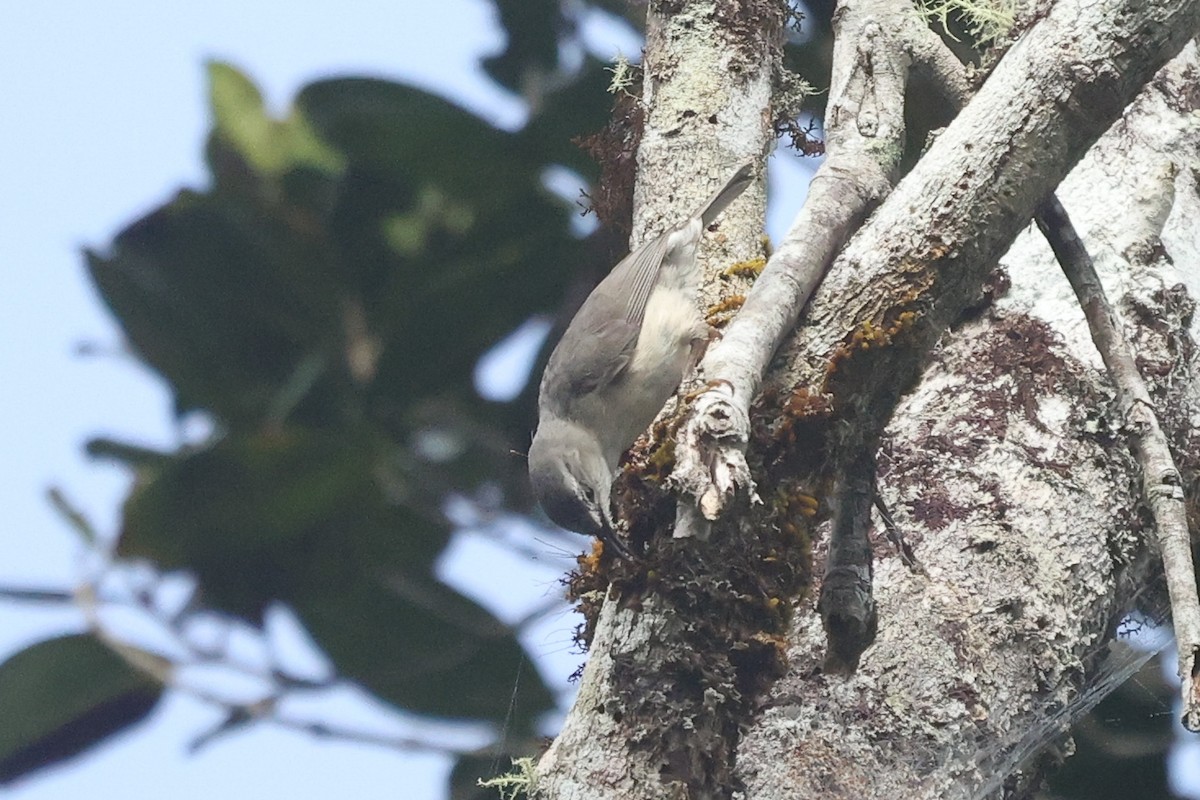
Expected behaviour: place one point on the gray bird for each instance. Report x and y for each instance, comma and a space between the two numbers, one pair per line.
618, 362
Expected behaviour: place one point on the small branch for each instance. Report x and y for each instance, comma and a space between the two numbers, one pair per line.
239, 717
323, 730
847, 602
896, 536
1162, 487
539, 612
238, 714
36, 595
175, 627
864, 130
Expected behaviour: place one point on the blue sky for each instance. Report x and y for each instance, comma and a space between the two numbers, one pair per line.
104, 117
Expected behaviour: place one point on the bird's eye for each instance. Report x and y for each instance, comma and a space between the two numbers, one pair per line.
589, 494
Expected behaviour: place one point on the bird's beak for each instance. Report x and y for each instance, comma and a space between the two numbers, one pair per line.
608, 534
606, 518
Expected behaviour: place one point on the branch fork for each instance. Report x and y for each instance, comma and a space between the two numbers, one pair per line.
864, 138
712, 446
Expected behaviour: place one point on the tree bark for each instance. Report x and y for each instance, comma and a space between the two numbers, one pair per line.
708, 80
1008, 472
1001, 460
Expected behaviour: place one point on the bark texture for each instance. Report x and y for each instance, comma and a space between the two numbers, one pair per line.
710, 70
1056, 90
1002, 465
864, 125
1162, 482
1007, 469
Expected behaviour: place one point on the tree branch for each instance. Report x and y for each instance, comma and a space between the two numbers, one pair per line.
975, 652
939, 269
864, 139
1162, 486
1002, 470
709, 71
275, 685
1162, 489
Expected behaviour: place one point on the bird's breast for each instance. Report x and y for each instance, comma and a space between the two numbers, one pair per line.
669, 327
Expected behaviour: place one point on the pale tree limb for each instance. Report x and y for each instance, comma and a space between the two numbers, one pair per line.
861, 155
876, 43
1162, 485
1002, 469
707, 91
864, 140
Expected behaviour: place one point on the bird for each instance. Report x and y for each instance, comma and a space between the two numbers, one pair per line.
619, 360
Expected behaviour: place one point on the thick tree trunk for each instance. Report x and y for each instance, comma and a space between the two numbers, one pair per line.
1002, 463
707, 94
1007, 471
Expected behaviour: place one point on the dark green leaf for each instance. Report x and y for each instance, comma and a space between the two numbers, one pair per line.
63, 696
327, 301
223, 301
434, 241
257, 516
406, 133
443, 228
423, 647
530, 56
576, 109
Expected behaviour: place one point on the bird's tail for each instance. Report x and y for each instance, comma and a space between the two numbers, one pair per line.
727, 193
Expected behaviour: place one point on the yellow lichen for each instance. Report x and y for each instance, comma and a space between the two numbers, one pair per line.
751, 268
808, 505
720, 313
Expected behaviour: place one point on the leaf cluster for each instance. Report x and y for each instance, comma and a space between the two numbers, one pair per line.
322, 303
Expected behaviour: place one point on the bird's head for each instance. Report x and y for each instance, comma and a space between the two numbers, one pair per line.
570, 477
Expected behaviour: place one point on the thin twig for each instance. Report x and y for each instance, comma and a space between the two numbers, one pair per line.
175, 626
1162, 487
36, 595
238, 714
896, 536
323, 730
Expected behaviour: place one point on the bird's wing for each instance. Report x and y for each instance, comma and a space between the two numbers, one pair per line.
601, 355
605, 330
733, 187
635, 276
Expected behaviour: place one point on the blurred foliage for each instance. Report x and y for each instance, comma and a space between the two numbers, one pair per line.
61, 696
324, 302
